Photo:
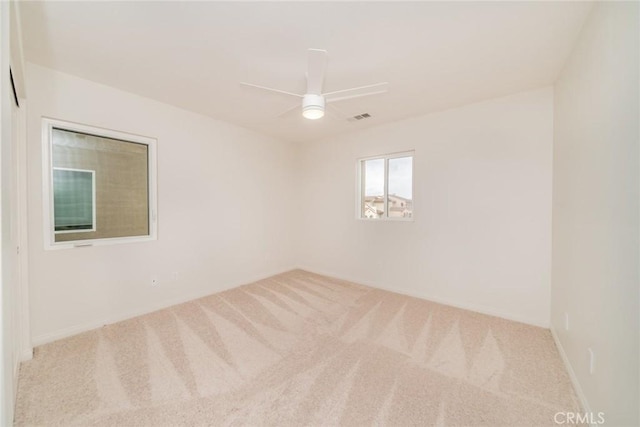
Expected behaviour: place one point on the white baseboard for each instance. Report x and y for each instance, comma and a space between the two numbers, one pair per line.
77, 329
471, 307
572, 375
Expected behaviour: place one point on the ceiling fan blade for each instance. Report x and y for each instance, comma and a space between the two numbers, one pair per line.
336, 112
356, 92
315, 71
271, 89
344, 98
288, 111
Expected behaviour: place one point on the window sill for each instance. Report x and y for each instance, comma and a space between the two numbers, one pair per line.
386, 219
98, 242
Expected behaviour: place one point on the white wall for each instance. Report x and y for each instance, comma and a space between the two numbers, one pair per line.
13, 345
595, 211
7, 288
224, 211
481, 238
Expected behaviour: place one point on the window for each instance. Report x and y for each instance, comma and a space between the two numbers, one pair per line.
99, 186
386, 187
74, 208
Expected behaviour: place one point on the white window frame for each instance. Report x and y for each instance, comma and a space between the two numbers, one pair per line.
360, 185
48, 124
93, 202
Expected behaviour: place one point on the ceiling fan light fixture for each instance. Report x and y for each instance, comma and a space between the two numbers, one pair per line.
313, 106
313, 113
313, 100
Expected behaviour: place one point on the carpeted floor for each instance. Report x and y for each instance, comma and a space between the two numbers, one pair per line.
299, 349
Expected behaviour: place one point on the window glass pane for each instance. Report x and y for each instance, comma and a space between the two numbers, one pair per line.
373, 203
121, 183
73, 199
400, 187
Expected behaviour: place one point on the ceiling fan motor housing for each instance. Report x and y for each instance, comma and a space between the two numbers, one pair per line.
313, 106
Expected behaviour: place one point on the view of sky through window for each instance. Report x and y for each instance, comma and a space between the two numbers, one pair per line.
400, 176
374, 177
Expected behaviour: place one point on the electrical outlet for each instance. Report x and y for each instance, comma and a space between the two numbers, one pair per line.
566, 321
592, 361
154, 281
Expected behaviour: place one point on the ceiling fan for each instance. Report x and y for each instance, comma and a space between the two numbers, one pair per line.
314, 100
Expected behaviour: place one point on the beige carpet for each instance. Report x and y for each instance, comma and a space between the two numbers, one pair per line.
299, 349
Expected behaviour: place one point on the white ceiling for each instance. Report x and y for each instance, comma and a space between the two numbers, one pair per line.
435, 55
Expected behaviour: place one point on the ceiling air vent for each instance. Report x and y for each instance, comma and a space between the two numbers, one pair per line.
359, 117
